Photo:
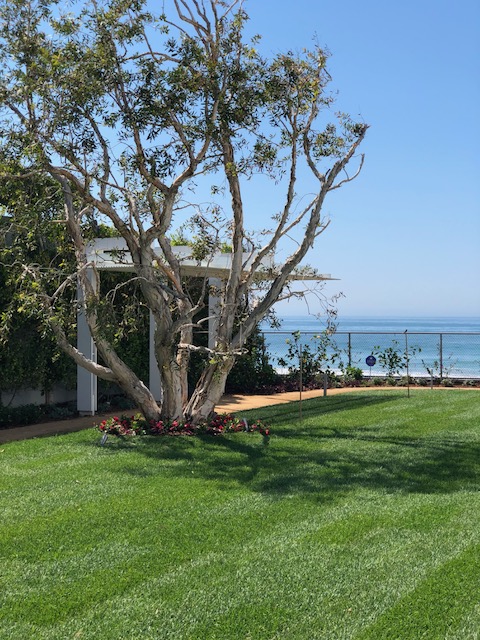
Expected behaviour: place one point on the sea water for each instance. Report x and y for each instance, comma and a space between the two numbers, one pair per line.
449, 346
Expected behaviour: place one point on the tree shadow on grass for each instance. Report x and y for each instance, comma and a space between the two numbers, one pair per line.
387, 464
322, 406
325, 462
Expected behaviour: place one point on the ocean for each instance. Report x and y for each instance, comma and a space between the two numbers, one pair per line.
444, 346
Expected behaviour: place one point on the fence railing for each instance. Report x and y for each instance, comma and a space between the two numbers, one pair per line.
421, 354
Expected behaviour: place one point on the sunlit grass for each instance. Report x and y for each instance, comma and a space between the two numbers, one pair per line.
360, 521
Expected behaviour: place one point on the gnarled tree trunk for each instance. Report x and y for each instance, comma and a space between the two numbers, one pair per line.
209, 390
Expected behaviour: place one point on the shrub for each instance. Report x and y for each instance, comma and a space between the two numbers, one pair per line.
352, 375
447, 382
317, 358
394, 359
253, 371
60, 411
20, 416
470, 383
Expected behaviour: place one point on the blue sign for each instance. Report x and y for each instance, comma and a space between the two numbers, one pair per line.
371, 360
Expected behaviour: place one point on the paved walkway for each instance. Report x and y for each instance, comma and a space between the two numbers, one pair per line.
228, 404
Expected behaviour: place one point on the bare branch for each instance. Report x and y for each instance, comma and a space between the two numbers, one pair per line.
106, 155
97, 369
350, 178
212, 352
68, 281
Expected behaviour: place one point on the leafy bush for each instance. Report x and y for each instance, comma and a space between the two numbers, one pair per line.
60, 411
352, 375
32, 413
252, 371
20, 416
316, 358
394, 359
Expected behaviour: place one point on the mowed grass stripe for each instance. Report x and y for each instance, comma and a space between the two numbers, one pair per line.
327, 533
321, 580
320, 583
436, 608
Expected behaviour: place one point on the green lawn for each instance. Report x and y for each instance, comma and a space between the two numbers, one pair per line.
361, 521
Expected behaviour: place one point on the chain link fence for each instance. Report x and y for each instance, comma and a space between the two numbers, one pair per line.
440, 356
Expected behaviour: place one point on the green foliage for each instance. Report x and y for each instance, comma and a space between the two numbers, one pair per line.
32, 413
352, 374
114, 114
125, 320
317, 357
20, 416
36, 257
394, 359
253, 371
29, 356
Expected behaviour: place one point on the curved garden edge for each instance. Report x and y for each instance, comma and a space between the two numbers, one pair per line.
231, 404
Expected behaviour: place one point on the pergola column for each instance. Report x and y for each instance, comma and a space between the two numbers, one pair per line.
87, 397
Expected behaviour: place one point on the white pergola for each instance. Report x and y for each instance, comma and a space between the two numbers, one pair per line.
112, 254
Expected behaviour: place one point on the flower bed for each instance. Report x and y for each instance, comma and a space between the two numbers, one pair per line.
220, 423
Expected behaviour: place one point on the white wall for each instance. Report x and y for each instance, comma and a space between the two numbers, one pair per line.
35, 396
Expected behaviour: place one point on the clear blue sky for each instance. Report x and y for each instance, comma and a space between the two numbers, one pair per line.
405, 236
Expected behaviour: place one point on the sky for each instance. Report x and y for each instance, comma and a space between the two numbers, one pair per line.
404, 238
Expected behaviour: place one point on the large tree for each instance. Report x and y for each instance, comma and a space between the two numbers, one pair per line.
132, 114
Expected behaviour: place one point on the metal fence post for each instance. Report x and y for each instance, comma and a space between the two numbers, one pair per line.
406, 354
300, 367
349, 349
441, 356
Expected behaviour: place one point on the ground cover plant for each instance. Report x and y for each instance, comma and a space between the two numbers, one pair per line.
361, 521
219, 424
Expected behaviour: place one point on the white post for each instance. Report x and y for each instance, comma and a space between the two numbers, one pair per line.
155, 384
86, 381
213, 310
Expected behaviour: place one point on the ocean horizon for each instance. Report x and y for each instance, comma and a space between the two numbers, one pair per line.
436, 324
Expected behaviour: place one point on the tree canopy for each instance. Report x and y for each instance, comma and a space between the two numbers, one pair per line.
130, 114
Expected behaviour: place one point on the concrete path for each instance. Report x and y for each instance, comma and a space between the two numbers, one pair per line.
228, 404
